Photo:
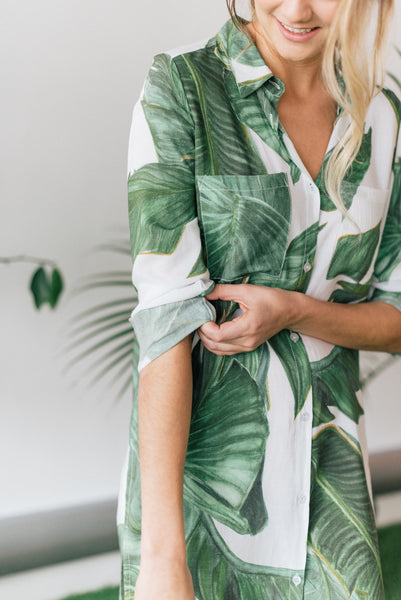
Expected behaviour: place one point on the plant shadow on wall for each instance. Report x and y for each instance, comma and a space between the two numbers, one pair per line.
100, 337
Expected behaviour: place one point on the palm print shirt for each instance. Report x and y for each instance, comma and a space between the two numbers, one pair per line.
277, 488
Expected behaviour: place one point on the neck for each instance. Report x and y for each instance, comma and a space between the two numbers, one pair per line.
301, 78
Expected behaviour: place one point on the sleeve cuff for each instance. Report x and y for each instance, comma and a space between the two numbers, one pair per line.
160, 328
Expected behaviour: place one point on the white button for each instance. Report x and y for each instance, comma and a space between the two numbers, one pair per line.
296, 580
294, 336
301, 499
307, 266
305, 417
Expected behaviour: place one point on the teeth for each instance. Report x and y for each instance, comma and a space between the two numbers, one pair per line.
296, 30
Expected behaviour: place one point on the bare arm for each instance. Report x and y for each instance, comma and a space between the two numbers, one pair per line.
164, 406
365, 326
164, 411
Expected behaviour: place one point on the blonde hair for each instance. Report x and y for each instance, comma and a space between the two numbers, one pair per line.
353, 72
360, 65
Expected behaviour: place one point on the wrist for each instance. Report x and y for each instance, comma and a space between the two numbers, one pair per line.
298, 310
171, 550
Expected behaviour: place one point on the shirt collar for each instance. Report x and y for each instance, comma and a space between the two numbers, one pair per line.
242, 57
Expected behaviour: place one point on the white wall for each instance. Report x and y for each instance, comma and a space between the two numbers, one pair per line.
71, 72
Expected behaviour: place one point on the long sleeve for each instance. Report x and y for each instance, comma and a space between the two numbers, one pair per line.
168, 272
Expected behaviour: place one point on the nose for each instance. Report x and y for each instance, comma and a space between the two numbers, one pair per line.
298, 11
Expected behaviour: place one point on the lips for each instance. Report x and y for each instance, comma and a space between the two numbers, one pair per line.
297, 34
298, 30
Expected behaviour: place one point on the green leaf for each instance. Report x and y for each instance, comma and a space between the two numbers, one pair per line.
40, 287
335, 381
354, 254
46, 289
223, 144
295, 362
218, 573
166, 112
226, 447
161, 200
352, 179
232, 209
342, 527
350, 292
55, 288
199, 266
389, 255
293, 277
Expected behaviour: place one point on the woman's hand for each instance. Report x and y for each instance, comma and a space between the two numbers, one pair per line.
266, 311
164, 579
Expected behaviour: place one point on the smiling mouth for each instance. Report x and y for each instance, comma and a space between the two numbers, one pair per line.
297, 30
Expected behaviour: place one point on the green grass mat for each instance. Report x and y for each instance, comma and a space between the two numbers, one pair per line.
107, 593
390, 551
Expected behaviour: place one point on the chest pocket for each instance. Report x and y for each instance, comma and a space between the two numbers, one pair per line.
245, 221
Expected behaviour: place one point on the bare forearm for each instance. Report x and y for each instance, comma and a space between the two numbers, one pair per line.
164, 407
365, 326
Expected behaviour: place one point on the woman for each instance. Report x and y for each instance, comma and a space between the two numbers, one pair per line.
262, 216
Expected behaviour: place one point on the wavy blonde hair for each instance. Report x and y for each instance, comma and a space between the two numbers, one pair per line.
351, 58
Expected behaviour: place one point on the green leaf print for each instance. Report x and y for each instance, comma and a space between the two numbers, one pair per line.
389, 255
295, 361
214, 568
226, 447
335, 381
167, 114
354, 254
353, 177
255, 110
342, 529
222, 142
257, 364
394, 100
350, 292
161, 202
199, 266
293, 277
232, 209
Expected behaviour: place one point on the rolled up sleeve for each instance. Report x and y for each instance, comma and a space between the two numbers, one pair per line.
169, 272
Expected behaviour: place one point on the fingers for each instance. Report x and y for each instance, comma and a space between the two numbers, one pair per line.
222, 348
229, 338
227, 291
227, 332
